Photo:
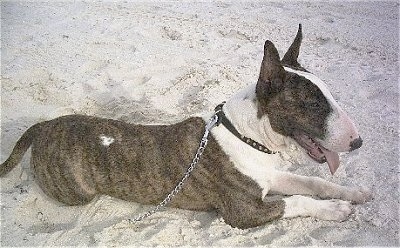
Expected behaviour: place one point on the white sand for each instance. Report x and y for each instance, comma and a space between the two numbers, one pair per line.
161, 62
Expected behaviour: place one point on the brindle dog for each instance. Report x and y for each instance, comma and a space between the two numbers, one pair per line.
77, 157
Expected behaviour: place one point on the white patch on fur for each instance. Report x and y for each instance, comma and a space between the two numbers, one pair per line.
106, 141
247, 160
241, 110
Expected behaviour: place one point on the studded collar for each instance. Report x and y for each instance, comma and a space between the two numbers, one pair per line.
222, 119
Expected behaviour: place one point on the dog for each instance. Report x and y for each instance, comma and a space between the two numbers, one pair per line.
76, 157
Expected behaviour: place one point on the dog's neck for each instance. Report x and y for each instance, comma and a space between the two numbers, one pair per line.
241, 110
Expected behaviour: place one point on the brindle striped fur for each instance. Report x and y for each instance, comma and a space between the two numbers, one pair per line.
72, 165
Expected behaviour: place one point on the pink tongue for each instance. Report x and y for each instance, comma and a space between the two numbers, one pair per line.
332, 158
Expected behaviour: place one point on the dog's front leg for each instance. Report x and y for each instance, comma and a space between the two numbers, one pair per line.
299, 205
290, 184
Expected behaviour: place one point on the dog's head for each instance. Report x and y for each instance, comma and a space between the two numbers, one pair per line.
300, 106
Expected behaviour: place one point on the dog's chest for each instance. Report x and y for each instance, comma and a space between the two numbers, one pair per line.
258, 166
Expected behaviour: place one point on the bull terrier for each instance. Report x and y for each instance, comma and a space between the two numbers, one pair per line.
76, 157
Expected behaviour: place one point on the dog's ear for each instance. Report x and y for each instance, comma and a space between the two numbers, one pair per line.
290, 58
272, 75
271, 68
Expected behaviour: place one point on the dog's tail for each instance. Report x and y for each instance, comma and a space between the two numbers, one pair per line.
19, 150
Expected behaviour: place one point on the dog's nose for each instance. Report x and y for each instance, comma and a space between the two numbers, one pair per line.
355, 144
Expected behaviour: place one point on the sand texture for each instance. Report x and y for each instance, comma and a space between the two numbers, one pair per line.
160, 62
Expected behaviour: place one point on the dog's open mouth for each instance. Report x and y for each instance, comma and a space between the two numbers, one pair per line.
318, 152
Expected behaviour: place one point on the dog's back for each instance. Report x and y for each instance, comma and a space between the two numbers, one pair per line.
76, 157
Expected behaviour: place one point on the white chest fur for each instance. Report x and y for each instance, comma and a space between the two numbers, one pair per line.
241, 110
257, 165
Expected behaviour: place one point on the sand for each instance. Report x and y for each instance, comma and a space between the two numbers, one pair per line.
160, 62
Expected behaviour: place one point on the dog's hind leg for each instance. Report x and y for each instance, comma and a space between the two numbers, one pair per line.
303, 206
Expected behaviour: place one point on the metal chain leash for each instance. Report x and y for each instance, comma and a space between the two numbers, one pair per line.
203, 143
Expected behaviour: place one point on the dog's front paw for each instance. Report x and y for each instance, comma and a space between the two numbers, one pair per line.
334, 209
359, 195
